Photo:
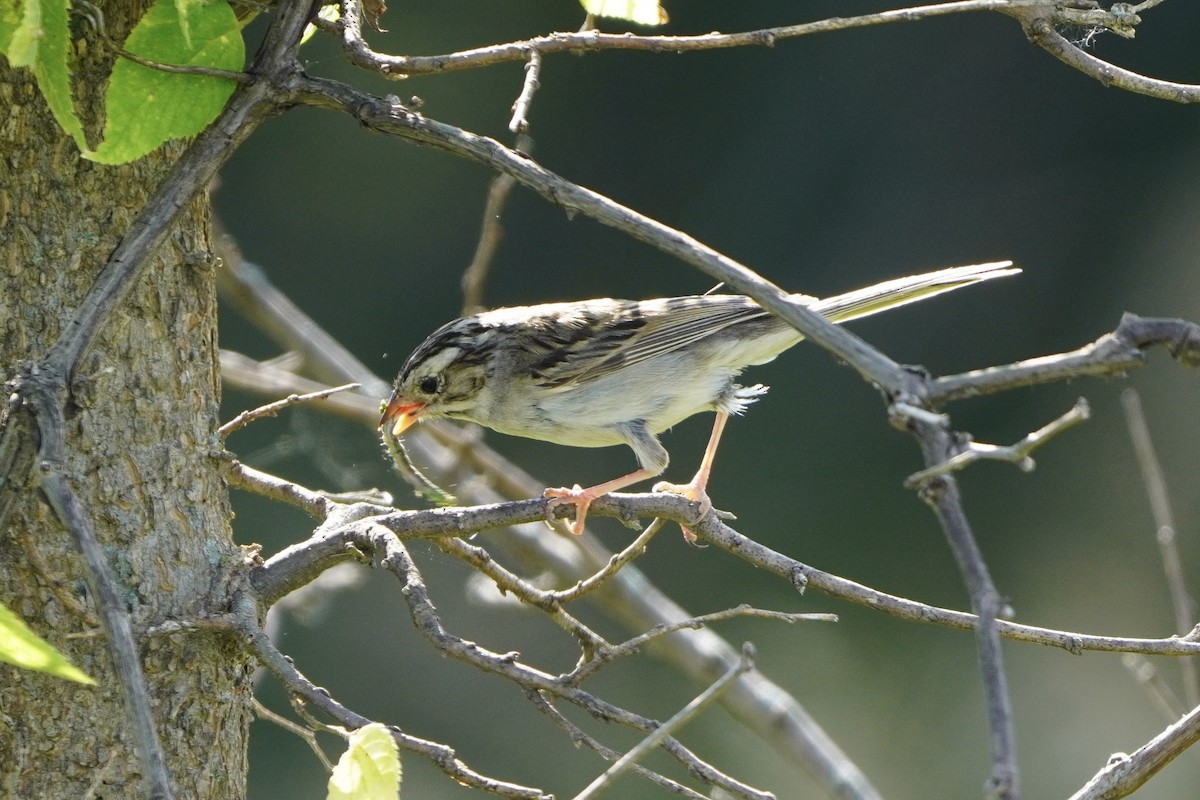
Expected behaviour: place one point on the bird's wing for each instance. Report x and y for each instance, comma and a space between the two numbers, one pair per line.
615, 334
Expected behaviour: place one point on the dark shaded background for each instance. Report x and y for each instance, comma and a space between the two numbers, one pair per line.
826, 163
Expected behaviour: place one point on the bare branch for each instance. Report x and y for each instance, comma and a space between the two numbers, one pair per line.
490, 234
271, 380
286, 570
520, 118
1125, 773
395, 558
580, 737
631, 551
1112, 354
1157, 689
271, 409
127, 664
942, 495
306, 734
506, 581
681, 718
1017, 453
1041, 32
591, 40
634, 645
267, 485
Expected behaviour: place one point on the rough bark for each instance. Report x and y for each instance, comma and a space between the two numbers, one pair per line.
142, 440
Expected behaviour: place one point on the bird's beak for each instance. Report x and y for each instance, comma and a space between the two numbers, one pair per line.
400, 414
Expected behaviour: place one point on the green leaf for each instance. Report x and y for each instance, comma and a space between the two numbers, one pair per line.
643, 12
328, 13
369, 769
35, 34
23, 648
11, 13
22, 40
148, 106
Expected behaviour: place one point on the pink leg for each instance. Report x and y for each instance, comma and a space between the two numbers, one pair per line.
582, 498
696, 488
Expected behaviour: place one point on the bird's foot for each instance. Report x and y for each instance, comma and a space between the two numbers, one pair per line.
694, 491
575, 496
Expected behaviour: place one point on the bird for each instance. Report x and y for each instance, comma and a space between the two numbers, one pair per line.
602, 372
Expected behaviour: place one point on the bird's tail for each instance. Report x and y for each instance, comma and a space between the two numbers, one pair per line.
901, 291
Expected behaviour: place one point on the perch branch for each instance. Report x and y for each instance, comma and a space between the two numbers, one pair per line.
290, 568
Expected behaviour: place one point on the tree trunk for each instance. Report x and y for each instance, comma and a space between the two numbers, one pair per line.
141, 443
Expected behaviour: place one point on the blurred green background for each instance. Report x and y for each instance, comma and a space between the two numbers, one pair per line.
826, 163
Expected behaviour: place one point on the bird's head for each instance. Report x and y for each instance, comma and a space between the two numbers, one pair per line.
442, 378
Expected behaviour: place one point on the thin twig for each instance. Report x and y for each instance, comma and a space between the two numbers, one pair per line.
127, 665
668, 728
635, 645
618, 560
307, 734
520, 117
395, 558
1164, 521
580, 737
507, 581
270, 380
590, 40
187, 69
247, 286
1113, 354
267, 485
271, 409
1017, 453
491, 232
1123, 775
1041, 32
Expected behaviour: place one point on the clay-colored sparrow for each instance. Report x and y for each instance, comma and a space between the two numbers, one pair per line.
596, 373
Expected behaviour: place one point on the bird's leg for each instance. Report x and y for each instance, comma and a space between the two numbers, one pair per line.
696, 488
582, 498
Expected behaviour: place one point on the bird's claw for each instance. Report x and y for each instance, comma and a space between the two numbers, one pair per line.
693, 492
575, 496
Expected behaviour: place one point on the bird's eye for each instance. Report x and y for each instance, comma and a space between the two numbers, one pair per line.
428, 384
